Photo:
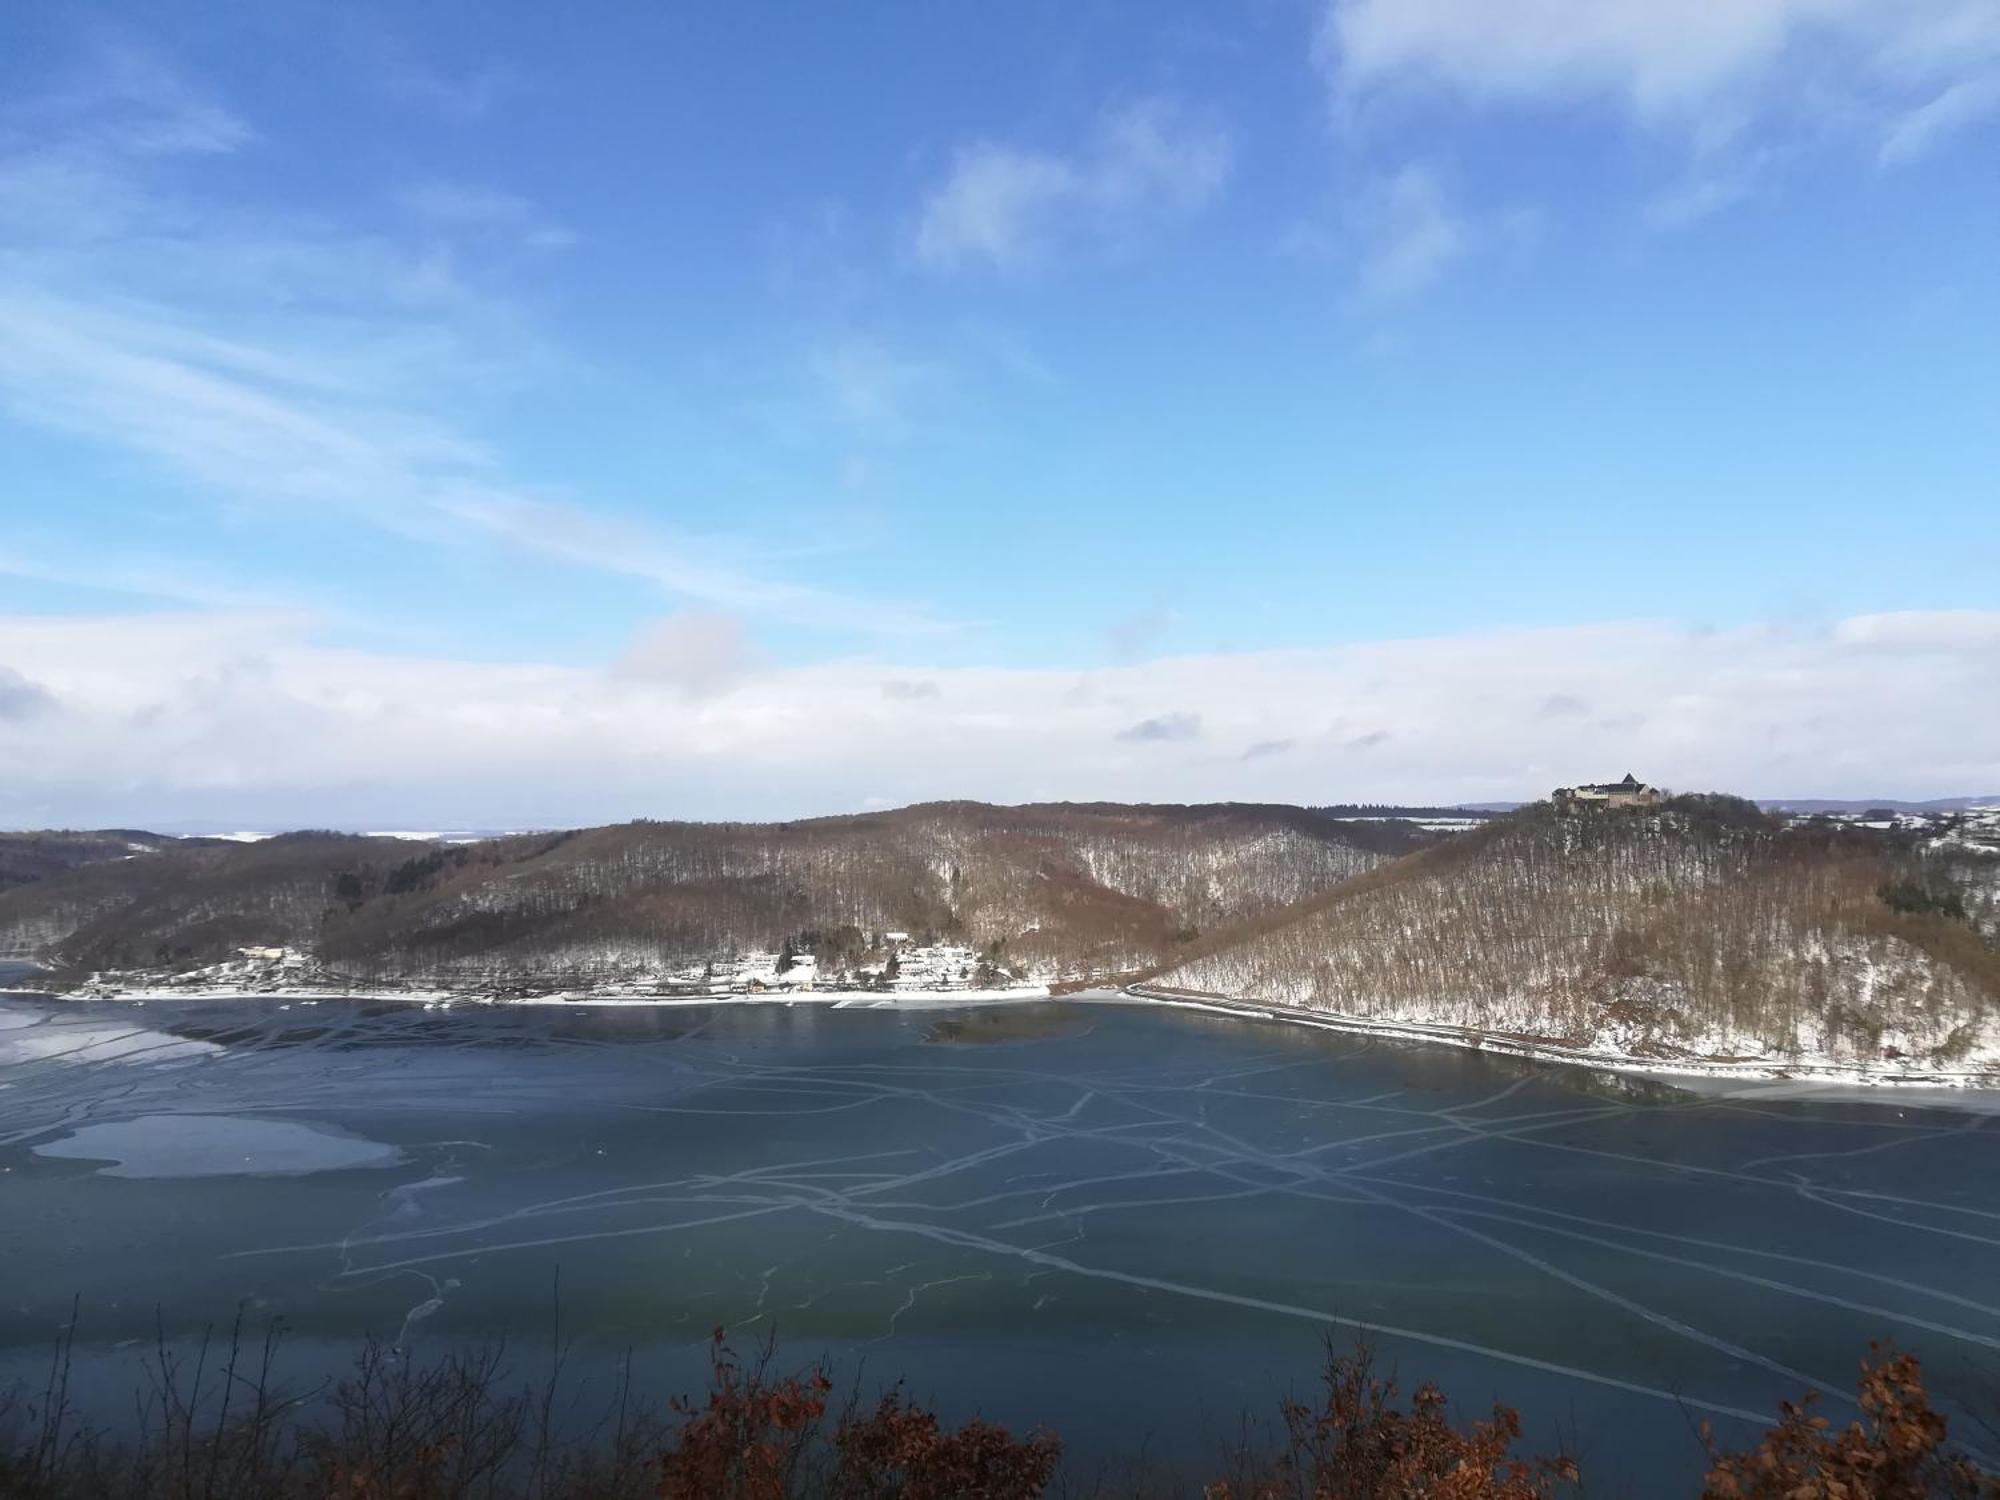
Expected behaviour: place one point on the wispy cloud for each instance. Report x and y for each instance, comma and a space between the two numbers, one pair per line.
682, 566
1412, 234
1957, 108
1711, 184
466, 92
69, 154
1731, 81
1008, 207
465, 209
150, 579
124, 100
285, 367
1400, 231
876, 391
1667, 61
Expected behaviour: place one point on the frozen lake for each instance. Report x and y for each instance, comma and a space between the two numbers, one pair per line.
1128, 1224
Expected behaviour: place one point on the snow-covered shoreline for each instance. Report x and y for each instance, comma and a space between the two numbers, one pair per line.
1875, 1075
140, 989
144, 989
917, 974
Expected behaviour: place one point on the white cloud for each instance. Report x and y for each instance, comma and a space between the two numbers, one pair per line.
239, 719
1946, 630
1008, 207
993, 207
1660, 56
1906, 73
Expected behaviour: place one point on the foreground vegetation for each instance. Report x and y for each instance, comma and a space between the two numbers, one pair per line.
217, 1427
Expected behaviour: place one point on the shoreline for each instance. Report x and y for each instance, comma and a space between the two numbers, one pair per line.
1818, 1073
1473, 1040
140, 993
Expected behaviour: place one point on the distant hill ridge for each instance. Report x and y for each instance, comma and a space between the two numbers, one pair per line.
37, 854
1702, 928
1853, 805
1064, 889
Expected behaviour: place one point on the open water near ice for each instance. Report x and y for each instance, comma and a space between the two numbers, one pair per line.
1129, 1224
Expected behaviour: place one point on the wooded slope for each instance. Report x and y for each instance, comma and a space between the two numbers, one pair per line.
1066, 889
1701, 928
38, 854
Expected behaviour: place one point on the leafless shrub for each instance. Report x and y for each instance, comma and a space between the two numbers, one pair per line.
1358, 1443
1896, 1450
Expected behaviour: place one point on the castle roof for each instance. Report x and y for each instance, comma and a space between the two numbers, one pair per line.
1631, 783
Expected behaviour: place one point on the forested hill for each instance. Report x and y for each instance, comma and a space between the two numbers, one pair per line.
1065, 890
1702, 928
36, 855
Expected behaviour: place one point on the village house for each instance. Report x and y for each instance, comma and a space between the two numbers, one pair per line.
1631, 792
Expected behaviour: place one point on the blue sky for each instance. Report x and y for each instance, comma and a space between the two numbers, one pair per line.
688, 365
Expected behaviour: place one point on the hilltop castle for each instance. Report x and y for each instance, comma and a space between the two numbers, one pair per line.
1631, 792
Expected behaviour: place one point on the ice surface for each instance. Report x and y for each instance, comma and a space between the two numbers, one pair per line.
30, 1036
216, 1146
1179, 1193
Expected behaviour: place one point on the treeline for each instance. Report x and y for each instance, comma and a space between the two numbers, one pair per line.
187, 903
1064, 889
31, 856
220, 1429
1695, 927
